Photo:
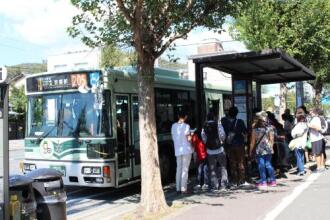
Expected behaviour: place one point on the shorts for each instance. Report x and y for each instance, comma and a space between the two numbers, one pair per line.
317, 147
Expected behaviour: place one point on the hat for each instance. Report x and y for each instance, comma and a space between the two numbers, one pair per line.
262, 115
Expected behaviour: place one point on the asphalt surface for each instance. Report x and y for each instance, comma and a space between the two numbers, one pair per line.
243, 203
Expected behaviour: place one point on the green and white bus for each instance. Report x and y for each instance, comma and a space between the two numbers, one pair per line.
85, 123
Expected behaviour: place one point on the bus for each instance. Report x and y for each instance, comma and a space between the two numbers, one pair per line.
85, 123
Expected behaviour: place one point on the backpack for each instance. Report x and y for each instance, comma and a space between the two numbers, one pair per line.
211, 132
324, 125
231, 133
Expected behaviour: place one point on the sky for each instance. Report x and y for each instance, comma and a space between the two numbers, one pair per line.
32, 30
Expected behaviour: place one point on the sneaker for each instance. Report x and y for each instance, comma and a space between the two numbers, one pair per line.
302, 173
272, 184
197, 187
261, 185
244, 184
205, 187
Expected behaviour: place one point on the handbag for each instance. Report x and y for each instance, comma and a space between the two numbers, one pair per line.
294, 143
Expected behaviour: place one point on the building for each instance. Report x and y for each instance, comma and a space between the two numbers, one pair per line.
77, 60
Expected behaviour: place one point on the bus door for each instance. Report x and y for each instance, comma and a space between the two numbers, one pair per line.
123, 138
135, 148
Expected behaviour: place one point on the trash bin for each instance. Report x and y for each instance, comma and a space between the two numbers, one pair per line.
50, 194
22, 201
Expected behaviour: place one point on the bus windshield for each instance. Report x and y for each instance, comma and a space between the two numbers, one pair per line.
68, 115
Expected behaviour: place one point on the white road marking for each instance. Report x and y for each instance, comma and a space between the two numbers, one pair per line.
286, 201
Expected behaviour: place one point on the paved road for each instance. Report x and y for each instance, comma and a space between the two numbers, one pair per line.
245, 203
83, 201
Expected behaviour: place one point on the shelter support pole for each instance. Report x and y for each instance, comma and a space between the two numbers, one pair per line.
299, 93
200, 95
4, 153
259, 99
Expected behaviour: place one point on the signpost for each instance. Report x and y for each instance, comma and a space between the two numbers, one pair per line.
4, 147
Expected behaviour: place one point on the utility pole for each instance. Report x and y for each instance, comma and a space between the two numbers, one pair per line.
4, 146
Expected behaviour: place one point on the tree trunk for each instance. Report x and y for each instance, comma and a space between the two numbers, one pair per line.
318, 86
152, 194
283, 95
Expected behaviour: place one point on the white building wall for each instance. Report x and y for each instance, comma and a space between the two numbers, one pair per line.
74, 61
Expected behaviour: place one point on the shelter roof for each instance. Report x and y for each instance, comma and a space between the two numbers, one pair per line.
266, 67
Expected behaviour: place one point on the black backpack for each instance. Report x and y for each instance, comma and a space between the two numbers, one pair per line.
212, 135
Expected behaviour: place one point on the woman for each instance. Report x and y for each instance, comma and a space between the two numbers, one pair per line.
299, 135
316, 138
262, 141
183, 150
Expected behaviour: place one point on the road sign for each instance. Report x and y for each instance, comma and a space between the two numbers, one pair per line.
3, 74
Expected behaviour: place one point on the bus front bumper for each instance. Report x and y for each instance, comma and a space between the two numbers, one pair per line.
97, 174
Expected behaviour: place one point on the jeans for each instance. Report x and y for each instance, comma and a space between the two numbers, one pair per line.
217, 166
299, 153
264, 163
182, 169
202, 173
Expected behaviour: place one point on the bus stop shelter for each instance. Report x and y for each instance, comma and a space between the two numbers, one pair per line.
249, 71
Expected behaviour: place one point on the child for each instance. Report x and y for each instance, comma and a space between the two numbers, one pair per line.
201, 161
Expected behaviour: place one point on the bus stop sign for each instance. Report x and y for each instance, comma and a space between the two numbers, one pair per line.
3, 74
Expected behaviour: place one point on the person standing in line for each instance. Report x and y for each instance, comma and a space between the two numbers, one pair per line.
213, 135
183, 150
299, 135
324, 129
308, 151
201, 154
262, 142
316, 138
234, 145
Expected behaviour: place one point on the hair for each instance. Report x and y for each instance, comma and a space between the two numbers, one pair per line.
233, 111
182, 114
271, 116
316, 111
259, 123
304, 108
210, 116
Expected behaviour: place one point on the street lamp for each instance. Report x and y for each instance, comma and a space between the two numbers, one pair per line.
4, 148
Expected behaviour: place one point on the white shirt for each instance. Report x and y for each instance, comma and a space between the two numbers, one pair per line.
300, 131
315, 135
179, 133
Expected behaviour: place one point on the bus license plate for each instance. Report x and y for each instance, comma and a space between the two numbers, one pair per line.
59, 168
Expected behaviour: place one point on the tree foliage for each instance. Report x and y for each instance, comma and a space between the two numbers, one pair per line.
113, 56
18, 69
150, 26
300, 27
17, 99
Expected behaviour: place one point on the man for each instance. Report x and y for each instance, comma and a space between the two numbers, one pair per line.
236, 130
213, 136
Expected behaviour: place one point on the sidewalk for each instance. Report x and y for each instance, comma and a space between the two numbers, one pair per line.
249, 203
16, 144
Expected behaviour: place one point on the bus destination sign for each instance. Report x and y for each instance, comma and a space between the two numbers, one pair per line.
57, 82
